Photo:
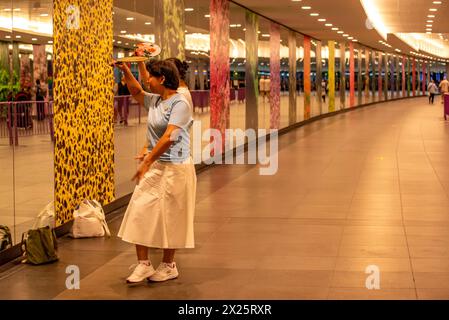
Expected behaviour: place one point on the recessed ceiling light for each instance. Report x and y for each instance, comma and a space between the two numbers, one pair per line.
350, 38
207, 16
188, 9
428, 25
266, 35
340, 32
321, 20
8, 37
346, 35
17, 9
130, 18
430, 16
44, 15
7, 9
335, 29
328, 24
437, 2
123, 31
33, 39
429, 21
50, 42
306, 8
314, 14
433, 9
18, 37
119, 42
148, 23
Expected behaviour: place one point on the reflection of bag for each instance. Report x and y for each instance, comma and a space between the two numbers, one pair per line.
89, 220
5, 238
46, 217
39, 246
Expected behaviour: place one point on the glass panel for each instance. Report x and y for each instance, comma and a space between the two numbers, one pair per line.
9, 86
264, 73
300, 80
33, 158
284, 78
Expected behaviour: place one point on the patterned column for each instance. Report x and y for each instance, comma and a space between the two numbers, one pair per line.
414, 77
25, 71
351, 75
408, 77
319, 75
392, 83
292, 116
307, 84
39, 63
424, 79
83, 102
331, 76
219, 67
343, 75
386, 76
275, 76
359, 76
418, 78
398, 72
373, 80
15, 60
367, 89
170, 28
403, 76
379, 78
252, 89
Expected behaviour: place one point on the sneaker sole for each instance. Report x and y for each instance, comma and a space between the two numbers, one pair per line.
141, 281
150, 280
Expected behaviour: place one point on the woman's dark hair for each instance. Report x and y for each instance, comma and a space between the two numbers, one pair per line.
181, 66
166, 69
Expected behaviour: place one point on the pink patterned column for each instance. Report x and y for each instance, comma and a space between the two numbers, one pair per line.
379, 79
403, 76
424, 78
39, 63
219, 66
351, 75
414, 77
307, 84
275, 71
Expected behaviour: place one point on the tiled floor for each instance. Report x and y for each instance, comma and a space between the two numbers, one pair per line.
365, 188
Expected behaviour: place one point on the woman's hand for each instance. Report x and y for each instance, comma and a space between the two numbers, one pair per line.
143, 168
122, 66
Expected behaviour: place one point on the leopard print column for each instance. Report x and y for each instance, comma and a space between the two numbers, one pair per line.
83, 104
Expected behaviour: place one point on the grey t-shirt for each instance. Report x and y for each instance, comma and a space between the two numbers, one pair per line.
161, 113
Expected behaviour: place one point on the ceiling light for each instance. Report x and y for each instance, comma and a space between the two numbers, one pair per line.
428, 25
350, 38
119, 42
430, 16
33, 39
266, 35
130, 18
346, 35
50, 42
7, 9
8, 37
328, 24
433, 9
437, 2
340, 32
44, 15
18, 37
17, 9
335, 29
148, 23
306, 8
429, 21
123, 31
188, 9
321, 20
314, 14
207, 16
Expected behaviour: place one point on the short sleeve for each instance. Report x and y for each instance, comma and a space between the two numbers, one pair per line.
180, 115
150, 100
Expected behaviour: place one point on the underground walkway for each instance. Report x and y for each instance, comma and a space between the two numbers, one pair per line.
369, 187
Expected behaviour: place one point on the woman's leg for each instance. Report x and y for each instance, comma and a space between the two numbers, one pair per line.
169, 255
142, 252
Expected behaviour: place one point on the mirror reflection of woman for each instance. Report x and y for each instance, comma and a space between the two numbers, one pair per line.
161, 210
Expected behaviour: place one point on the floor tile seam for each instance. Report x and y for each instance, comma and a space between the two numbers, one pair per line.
402, 211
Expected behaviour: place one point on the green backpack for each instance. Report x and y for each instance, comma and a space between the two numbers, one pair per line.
40, 246
5, 238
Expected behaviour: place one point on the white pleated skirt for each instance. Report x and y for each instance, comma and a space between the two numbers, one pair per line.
161, 211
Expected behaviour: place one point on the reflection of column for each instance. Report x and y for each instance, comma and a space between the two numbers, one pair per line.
25, 71
4, 56
307, 87
367, 57
275, 74
319, 76
386, 77
379, 78
351, 75
331, 46
403, 76
373, 80
83, 103
414, 77
219, 67
39, 64
170, 27
252, 90
15, 60
408, 77
424, 78
201, 77
359, 75
292, 77
343, 75
393, 92
418, 78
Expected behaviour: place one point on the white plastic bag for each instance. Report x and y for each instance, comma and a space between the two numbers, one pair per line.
89, 221
46, 217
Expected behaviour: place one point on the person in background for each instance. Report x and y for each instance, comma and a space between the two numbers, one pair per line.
40, 98
160, 213
123, 101
433, 90
323, 90
444, 88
